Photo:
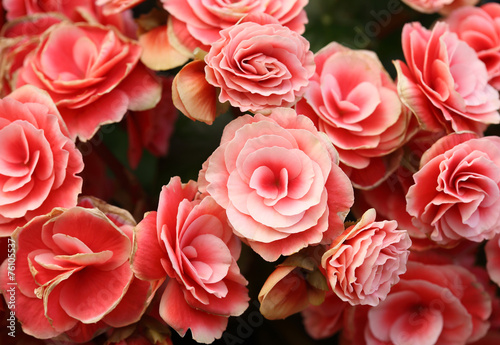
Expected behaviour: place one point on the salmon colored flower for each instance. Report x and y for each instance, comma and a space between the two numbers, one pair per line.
99, 80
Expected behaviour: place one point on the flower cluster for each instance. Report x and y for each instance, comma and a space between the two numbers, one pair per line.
167, 166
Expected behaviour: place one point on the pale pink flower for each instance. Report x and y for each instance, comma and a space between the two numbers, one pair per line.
456, 194
190, 241
73, 274
38, 162
354, 101
432, 304
97, 81
364, 262
443, 81
259, 66
278, 179
198, 23
479, 27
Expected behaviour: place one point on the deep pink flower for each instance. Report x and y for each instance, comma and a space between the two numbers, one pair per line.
278, 179
258, 66
432, 304
364, 262
443, 81
97, 81
480, 28
456, 194
190, 241
197, 23
73, 274
38, 162
355, 102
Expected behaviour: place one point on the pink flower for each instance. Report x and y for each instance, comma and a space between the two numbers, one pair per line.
441, 6
97, 81
197, 23
259, 66
432, 304
354, 101
444, 83
73, 274
456, 194
278, 179
190, 241
480, 28
38, 162
364, 262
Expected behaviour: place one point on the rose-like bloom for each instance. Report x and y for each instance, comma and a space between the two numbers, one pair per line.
456, 194
100, 77
444, 83
38, 162
278, 179
441, 6
259, 66
432, 304
73, 274
197, 23
191, 242
364, 262
480, 28
74, 10
354, 101
324, 320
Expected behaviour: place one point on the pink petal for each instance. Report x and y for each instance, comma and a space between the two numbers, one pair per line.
147, 251
174, 310
98, 292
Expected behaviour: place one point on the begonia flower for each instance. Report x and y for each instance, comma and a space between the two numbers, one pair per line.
364, 262
73, 275
190, 241
456, 194
354, 101
38, 162
278, 179
259, 65
479, 27
444, 82
100, 78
